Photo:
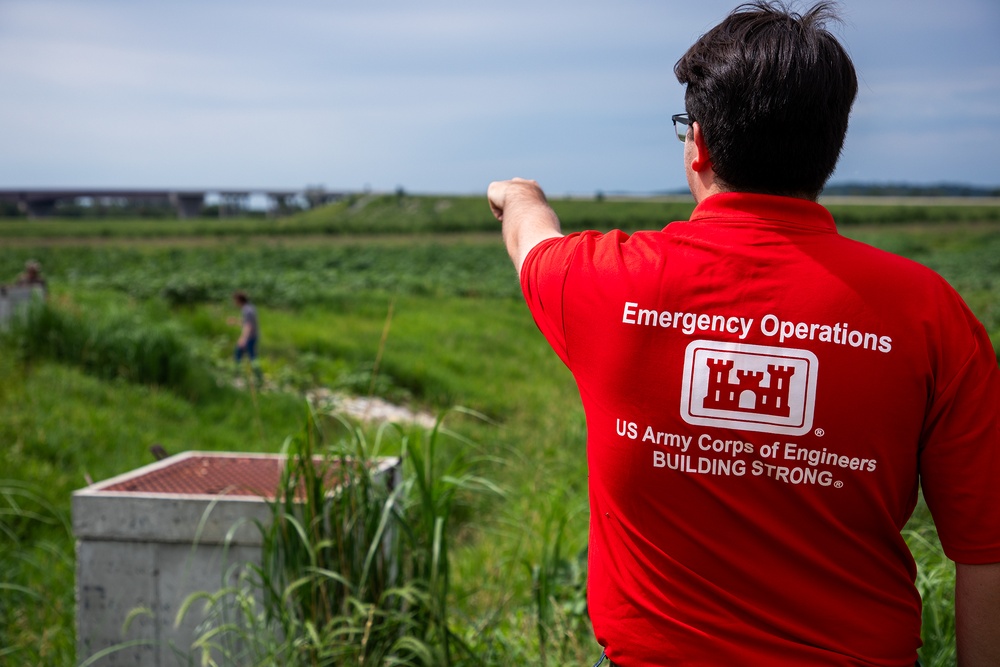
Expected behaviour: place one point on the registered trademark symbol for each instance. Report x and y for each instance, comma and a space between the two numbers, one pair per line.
819, 432
838, 484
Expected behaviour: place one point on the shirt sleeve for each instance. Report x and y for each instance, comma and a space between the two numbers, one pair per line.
543, 281
960, 454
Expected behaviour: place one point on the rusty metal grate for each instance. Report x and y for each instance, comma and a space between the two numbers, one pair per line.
212, 475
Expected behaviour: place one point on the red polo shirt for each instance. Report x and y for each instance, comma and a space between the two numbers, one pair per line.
763, 397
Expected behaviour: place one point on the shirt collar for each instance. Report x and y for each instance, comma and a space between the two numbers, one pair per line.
784, 211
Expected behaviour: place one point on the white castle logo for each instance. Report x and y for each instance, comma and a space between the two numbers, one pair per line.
749, 387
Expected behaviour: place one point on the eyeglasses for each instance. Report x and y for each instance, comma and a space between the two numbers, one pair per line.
681, 123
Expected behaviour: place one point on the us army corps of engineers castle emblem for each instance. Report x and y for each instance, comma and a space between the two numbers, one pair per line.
749, 387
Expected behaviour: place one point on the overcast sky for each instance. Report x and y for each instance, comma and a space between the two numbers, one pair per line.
443, 97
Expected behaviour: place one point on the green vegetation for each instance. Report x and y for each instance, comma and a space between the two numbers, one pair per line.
401, 214
898, 212
395, 296
360, 576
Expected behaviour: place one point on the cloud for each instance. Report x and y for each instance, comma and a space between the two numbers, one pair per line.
440, 96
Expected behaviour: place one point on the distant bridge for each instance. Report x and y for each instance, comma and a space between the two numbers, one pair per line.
40, 203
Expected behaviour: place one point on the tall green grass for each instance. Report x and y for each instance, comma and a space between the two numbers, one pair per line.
559, 588
117, 344
936, 584
359, 575
35, 567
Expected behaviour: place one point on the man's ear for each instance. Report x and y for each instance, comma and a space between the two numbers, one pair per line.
702, 160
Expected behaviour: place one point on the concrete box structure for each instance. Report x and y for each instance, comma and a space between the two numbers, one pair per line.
148, 539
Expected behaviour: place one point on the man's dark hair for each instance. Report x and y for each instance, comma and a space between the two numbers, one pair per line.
240, 297
771, 91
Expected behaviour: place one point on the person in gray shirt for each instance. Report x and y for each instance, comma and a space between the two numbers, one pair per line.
246, 345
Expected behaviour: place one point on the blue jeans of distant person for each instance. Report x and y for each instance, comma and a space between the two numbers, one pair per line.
250, 350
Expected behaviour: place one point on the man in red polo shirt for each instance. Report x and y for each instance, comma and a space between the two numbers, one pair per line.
764, 397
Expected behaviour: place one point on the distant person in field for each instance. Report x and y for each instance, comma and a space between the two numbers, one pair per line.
246, 345
764, 397
31, 276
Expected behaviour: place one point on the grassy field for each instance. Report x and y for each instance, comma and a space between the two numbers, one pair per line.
412, 299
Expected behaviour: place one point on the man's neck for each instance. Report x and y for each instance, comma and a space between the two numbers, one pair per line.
701, 190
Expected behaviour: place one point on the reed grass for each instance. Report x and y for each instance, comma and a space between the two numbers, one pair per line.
359, 574
936, 585
34, 568
117, 344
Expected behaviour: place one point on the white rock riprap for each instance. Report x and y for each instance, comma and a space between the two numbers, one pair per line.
368, 409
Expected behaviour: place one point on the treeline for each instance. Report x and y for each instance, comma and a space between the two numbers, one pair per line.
909, 190
405, 214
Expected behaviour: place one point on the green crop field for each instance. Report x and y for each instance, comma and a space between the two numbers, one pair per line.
410, 299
